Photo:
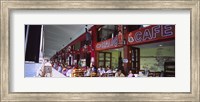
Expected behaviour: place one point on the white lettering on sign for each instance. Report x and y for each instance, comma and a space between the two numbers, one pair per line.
151, 33
155, 31
138, 36
107, 44
147, 34
167, 31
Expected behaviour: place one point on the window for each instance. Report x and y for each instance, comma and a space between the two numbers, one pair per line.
106, 32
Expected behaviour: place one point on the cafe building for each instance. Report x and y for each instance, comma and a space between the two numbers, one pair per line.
126, 47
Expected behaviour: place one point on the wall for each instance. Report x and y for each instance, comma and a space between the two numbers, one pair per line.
115, 57
153, 58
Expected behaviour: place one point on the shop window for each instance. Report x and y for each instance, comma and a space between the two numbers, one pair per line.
105, 59
106, 32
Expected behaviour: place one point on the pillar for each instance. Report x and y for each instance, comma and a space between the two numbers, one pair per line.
127, 55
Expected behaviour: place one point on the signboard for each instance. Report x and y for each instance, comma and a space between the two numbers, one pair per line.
107, 44
151, 33
125, 60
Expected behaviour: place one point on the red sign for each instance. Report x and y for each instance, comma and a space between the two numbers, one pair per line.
151, 33
108, 44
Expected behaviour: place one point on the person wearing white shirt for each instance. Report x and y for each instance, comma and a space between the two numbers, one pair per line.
59, 68
101, 70
69, 73
108, 70
88, 72
54, 65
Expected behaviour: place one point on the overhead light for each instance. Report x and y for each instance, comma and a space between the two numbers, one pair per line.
146, 25
99, 29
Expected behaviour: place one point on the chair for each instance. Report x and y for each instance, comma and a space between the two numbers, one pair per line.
157, 74
111, 74
169, 69
151, 74
143, 71
93, 74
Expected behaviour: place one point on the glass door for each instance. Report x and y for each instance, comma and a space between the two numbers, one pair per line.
108, 59
105, 59
101, 59
135, 62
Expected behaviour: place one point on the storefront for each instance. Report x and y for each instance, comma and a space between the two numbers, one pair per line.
154, 36
121, 47
111, 44
127, 52
78, 53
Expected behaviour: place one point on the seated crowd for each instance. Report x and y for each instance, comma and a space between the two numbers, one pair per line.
75, 71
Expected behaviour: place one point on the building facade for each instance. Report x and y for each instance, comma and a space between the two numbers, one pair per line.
119, 47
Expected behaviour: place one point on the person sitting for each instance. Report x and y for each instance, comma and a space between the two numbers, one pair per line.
88, 72
59, 68
69, 72
54, 65
100, 71
94, 69
119, 74
103, 72
64, 71
130, 73
108, 70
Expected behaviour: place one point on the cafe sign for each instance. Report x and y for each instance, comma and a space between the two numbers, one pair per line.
107, 44
151, 33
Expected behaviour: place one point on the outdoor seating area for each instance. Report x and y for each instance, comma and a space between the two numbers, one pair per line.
77, 71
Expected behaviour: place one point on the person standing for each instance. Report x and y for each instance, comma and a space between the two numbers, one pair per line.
47, 69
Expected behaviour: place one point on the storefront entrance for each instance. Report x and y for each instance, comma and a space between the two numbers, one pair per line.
70, 61
135, 60
112, 58
154, 56
105, 59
